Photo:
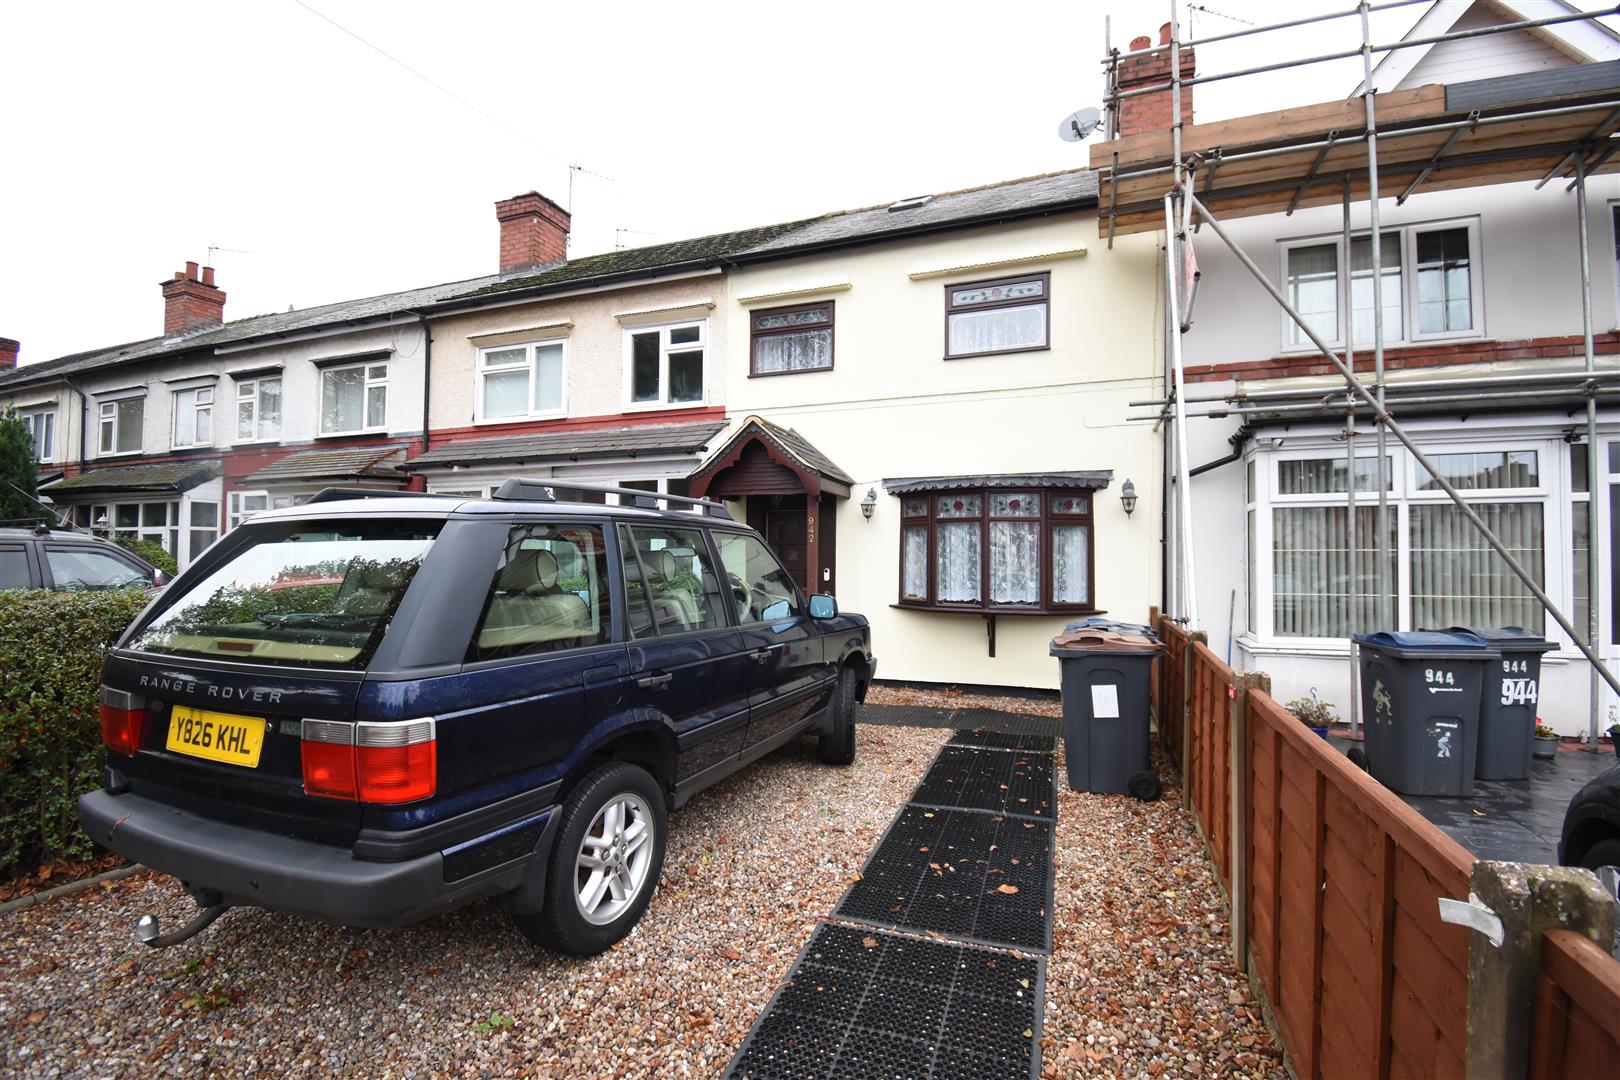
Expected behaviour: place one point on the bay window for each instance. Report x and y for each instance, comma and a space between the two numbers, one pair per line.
1001, 550
664, 365
258, 409
1440, 571
997, 316
354, 398
193, 417
1429, 288
520, 381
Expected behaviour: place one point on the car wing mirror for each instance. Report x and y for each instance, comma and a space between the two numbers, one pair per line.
823, 606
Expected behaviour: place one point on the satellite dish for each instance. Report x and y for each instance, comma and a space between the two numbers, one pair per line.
1077, 125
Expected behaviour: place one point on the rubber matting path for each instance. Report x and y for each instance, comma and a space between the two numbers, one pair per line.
1002, 740
868, 1004
970, 875
1001, 781
978, 719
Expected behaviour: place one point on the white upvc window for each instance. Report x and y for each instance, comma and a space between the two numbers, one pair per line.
258, 409
354, 399
121, 422
521, 382
193, 417
241, 505
42, 427
663, 365
1431, 289
1441, 571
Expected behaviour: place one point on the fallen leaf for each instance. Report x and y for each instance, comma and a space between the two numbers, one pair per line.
35, 1017
1024, 983
1008, 889
730, 954
869, 941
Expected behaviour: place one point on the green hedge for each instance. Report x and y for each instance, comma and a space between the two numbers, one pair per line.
51, 650
150, 550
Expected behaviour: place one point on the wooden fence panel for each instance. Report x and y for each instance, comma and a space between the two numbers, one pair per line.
1170, 689
1345, 933
1210, 769
1574, 1032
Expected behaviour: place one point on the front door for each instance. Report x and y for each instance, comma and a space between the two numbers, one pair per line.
785, 533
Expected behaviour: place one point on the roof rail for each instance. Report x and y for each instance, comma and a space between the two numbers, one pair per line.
335, 494
523, 488
37, 524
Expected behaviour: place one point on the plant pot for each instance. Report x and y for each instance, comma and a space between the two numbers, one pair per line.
1545, 749
1322, 731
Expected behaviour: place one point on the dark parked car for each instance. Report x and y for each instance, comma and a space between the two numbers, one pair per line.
370, 710
1591, 836
36, 556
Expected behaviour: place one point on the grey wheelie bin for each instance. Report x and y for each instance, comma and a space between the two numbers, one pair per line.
1507, 703
1106, 681
1420, 696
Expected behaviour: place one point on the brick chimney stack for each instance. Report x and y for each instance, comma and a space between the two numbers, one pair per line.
1151, 112
191, 302
8, 353
534, 232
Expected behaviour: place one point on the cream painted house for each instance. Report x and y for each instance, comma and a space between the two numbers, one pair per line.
926, 411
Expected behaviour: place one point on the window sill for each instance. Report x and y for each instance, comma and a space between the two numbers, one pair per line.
664, 406
351, 434
119, 454
488, 421
800, 371
1050, 613
998, 352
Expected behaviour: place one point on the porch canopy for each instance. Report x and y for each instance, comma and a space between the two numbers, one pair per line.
1470, 134
107, 482
568, 447
337, 466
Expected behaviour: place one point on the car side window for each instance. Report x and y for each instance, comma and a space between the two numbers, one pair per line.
78, 568
760, 589
682, 587
550, 593
14, 568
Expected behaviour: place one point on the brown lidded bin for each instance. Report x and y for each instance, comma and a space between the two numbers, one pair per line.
1107, 678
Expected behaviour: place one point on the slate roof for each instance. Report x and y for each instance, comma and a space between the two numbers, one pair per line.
1030, 196
627, 441
167, 477
1088, 478
332, 463
789, 442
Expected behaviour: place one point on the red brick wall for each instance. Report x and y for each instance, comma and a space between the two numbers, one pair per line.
1415, 356
1151, 112
191, 302
534, 231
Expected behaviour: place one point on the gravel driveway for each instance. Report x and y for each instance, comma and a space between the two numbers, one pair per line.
1138, 985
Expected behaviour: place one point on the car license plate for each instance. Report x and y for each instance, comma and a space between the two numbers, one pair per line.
217, 736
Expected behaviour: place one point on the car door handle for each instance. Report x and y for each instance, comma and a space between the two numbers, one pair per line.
761, 656
655, 682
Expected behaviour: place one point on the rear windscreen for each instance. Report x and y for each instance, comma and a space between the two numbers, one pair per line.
319, 594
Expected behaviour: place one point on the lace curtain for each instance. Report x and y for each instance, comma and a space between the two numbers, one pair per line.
1015, 562
1021, 327
807, 351
916, 562
957, 573
1071, 564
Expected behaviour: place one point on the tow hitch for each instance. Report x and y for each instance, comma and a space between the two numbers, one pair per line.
148, 932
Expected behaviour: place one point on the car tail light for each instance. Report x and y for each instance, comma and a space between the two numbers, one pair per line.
370, 762
123, 717
326, 748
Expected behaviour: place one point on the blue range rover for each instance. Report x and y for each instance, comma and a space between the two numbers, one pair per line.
370, 710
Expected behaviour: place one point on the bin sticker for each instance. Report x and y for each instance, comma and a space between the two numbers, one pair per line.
1441, 681
1520, 691
1516, 667
1382, 705
1442, 733
1104, 701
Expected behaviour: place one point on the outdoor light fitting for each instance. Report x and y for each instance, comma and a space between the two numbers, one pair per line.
869, 503
1127, 498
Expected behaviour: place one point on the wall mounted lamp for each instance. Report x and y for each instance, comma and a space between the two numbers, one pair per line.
1127, 498
869, 503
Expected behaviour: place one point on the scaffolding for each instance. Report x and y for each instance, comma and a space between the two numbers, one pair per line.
1557, 123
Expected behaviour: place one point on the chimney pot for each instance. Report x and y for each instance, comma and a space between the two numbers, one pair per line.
8, 353
1164, 34
191, 271
191, 304
208, 275
1140, 43
534, 232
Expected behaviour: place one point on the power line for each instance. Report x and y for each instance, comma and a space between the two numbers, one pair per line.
445, 90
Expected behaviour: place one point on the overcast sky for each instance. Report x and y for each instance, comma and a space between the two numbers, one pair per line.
137, 134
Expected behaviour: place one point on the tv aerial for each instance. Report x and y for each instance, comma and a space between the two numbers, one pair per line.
1077, 125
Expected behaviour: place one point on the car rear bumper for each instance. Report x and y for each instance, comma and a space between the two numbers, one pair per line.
301, 877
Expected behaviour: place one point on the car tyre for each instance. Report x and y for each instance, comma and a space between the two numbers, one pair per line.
1604, 853
838, 744
604, 864
1144, 785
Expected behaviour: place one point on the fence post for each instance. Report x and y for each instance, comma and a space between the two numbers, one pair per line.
1186, 714
1238, 756
1528, 900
